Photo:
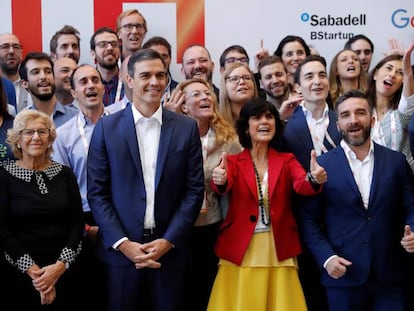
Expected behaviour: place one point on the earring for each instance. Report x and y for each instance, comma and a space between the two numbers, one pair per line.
18, 146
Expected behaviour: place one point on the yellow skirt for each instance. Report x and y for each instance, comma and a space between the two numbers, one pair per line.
254, 287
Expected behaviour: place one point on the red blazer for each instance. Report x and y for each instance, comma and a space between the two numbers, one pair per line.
285, 176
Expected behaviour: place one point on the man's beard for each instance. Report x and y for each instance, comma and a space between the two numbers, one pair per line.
43, 96
8, 70
358, 141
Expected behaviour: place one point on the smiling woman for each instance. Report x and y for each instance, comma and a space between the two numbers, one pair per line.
237, 87
42, 225
391, 93
217, 136
256, 244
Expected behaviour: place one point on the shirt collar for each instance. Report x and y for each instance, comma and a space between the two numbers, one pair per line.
307, 112
351, 155
157, 115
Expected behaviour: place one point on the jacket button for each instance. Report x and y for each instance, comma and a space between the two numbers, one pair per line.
253, 218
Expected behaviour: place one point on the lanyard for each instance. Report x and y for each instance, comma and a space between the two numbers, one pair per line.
118, 88
82, 133
328, 137
204, 146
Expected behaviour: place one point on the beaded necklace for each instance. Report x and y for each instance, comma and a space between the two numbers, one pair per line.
264, 215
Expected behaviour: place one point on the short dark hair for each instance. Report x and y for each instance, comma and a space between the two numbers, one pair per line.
141, 55
356, 38
65, 30
256, 107
352, 94
308, 59
71, 79
29, 56
157, 40
92, 42
291, 38
269, 60
235, 47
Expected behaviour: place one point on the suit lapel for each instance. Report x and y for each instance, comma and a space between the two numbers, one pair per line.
274, 168
379, 166
300, 126
167, 130
245, 163
128, 124
346, 171
332, 131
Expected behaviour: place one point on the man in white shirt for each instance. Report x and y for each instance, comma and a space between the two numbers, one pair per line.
145, 190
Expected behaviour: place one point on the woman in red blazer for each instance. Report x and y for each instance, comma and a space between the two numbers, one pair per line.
258, 240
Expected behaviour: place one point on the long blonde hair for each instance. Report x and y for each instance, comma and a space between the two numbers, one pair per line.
225, 102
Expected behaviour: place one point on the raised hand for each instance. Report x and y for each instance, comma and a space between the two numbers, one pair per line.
175, 101
262, 53
408, 239
220, 171
318, 173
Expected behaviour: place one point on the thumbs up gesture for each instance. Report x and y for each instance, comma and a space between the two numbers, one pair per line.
318, 173
220, 171
408, 239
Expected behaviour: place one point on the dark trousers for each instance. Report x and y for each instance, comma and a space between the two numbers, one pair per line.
371, 296
200, 275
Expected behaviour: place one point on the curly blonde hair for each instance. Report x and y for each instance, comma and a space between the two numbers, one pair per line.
19, 124
224, 131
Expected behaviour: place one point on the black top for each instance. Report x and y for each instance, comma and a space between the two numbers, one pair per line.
41, 218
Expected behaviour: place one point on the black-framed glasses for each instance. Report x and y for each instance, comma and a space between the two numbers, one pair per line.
29, 133
104, 44
231, 60
236, 79
6, 47
129, 27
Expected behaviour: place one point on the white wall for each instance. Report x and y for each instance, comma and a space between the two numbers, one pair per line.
241, 22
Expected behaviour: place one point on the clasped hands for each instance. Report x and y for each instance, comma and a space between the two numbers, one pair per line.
44, 280
145, 255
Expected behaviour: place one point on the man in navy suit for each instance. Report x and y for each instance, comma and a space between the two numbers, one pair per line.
359, 225
145, 190
311, 126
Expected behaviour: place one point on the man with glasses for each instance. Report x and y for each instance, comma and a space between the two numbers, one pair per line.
36, 71
106, 51
10, 59
132, 28
233, 54
65, 43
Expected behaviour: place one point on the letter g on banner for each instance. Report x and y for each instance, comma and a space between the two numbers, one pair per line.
400, 19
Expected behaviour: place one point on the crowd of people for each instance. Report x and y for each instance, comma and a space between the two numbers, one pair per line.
287, 187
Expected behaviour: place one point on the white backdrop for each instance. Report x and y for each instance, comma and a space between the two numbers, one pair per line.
243, 22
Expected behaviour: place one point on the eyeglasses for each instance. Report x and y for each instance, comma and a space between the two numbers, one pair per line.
236, 79
130, 27
29, 133
198, 94
104, 44
232, 60
6, 47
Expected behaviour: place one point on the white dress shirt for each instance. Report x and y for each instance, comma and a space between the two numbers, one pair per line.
148, 134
